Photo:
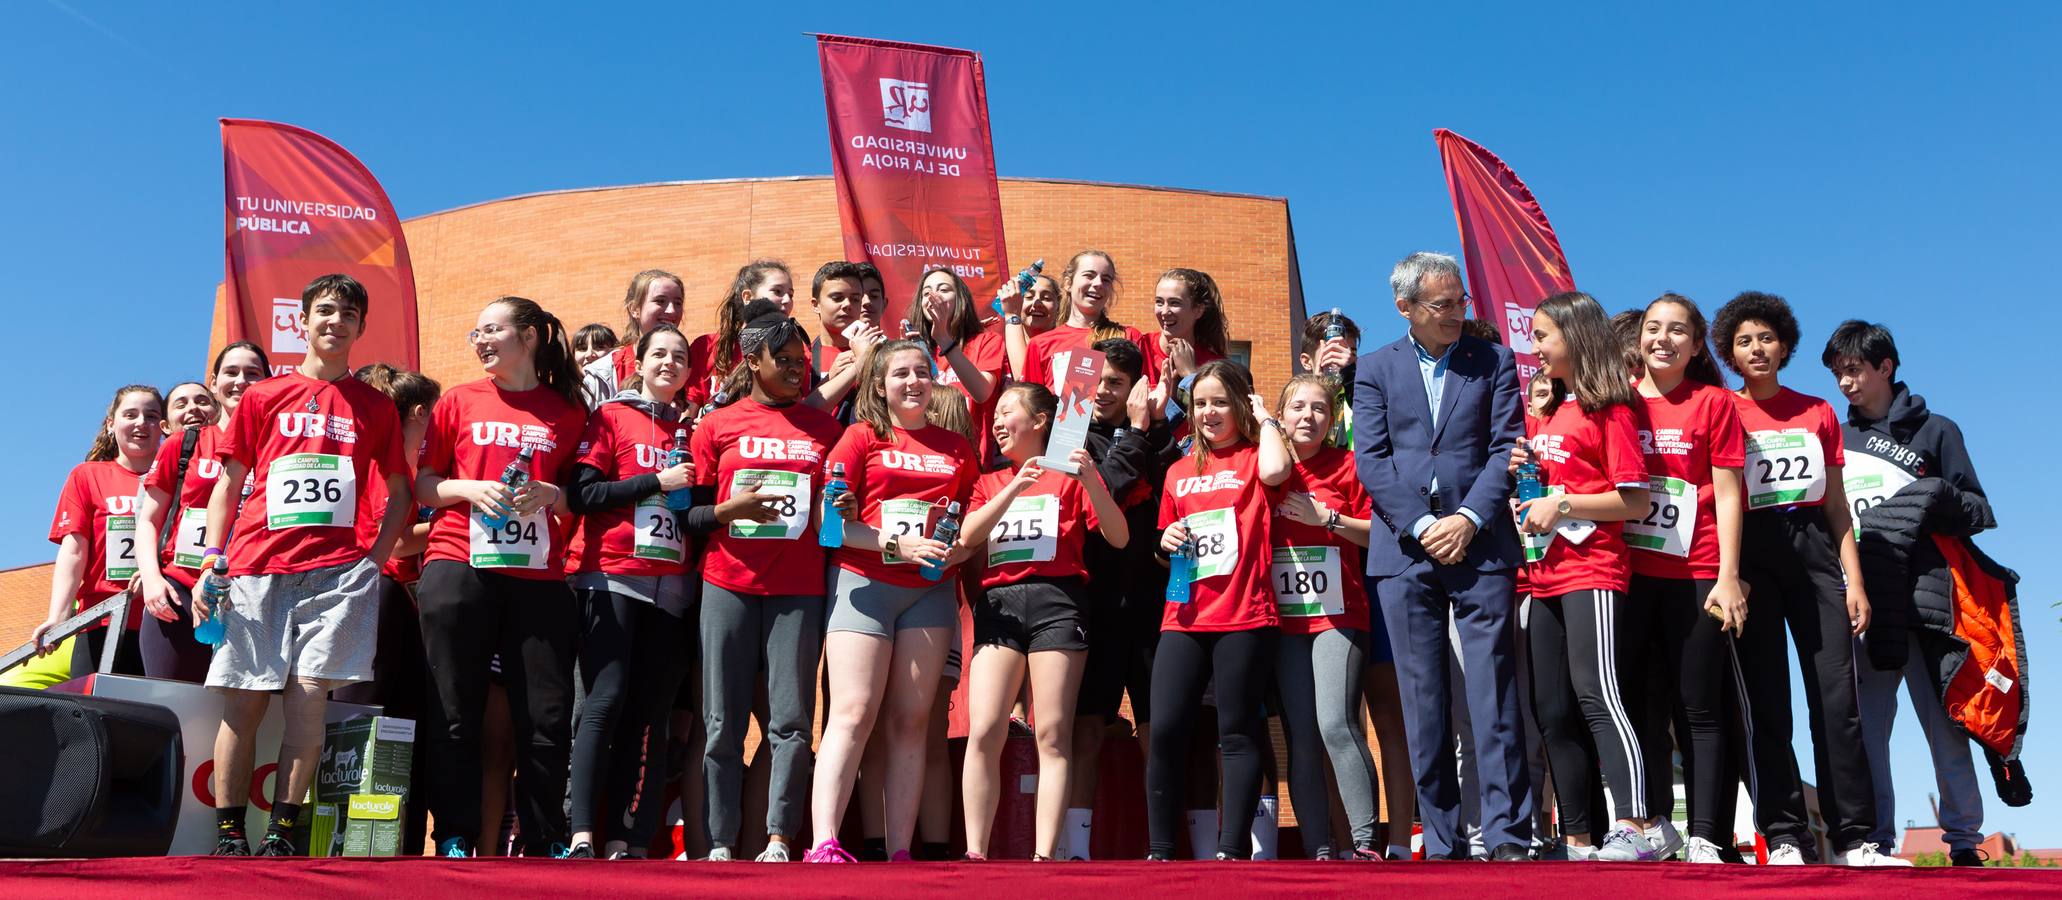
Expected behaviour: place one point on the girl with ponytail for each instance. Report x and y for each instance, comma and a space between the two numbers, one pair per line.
1091, 284
715, 356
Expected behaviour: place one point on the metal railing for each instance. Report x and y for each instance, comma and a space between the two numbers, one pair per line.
114, 609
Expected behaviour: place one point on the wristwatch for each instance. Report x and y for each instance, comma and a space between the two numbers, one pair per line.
1564, 507
894, 546
1013, 320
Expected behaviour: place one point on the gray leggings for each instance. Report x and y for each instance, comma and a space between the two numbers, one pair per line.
1318, 676
741, 634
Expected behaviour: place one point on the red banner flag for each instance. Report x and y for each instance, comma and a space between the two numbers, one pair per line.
300, 207
1514, 261
915, 164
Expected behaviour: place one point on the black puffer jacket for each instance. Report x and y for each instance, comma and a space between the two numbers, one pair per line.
1906, 579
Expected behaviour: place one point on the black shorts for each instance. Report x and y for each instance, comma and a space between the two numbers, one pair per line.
1038, 614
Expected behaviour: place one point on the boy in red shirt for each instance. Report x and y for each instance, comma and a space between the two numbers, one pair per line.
303, 606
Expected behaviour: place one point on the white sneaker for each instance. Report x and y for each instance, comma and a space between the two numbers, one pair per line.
1626, 844
1665, 838
720, 854
1786, 855
1866, 854
776, 851
1703, 851
1565, 852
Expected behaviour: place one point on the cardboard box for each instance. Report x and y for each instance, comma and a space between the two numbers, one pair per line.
362, 786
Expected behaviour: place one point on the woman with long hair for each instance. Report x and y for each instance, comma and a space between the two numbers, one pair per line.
1193, 327
1091, 284
762, 578
493, 578
716, 356
888, 622
95, 529
1217, 508
1319, 532
1030, 621
1796, 540
969, 358
1587, 448
1034, 311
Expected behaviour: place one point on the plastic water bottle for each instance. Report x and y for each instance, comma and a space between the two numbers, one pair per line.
1181, 568
678, 498
1025, 279
946, 532
831, 533
512, 477
716, 402
1335, 329
1528, 482
214, 589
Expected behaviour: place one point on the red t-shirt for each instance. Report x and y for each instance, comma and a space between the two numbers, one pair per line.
181, 559
1686, 432
298, 517
98, 502
1587, 453
1039, 352
782, 449
703, 381
1324, 568
1041, 535
476, 430
1231, 515
1149, 344
622, 441
988, 354
931, 465
1791, 439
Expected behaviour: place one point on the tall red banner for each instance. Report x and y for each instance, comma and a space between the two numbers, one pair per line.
1514, 261
300, 207
915, 165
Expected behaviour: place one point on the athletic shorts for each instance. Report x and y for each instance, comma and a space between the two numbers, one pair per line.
858, 603
1033, 615
317, 624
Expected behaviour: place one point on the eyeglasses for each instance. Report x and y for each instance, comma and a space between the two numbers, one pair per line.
1440, 309
491, 331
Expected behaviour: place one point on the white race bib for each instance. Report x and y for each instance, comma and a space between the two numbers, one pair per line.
1574, 530
120, 541
1307, 582
1784, 468
657, 533
903, 518
1671, 517
793, 490
1216, 536
1871, 480
304, 489
520, 543
191, 539
1028, 533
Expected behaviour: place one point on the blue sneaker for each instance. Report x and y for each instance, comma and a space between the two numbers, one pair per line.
455, 848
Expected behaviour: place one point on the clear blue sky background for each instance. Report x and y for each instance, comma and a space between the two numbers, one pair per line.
1897, 165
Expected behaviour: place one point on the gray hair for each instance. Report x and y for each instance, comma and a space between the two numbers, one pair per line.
1410, 274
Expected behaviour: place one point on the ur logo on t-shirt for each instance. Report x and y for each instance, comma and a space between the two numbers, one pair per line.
1202, 484
315, 425
1549, 447
1663, 442
121, 506
917, 462
509, 434
649, 457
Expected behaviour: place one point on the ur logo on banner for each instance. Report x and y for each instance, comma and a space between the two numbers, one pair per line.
1518, 328
287, 336
906, 105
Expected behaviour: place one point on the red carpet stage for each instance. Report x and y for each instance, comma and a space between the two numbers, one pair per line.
502, 879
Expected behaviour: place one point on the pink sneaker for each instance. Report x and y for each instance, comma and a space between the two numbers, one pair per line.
828, 852
902, 856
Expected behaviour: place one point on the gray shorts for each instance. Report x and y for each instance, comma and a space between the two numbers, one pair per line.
317, 624
860, 604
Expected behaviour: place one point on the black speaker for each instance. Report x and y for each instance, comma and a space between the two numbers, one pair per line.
87, 776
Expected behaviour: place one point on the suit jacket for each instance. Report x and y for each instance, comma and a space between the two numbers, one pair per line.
1398, 451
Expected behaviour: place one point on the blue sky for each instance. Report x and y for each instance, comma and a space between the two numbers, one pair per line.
1863, 161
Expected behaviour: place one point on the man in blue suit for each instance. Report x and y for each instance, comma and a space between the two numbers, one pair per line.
1434, 418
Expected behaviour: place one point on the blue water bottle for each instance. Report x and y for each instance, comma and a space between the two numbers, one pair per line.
679, 498
512, 478
1528, 482
946, 532
1181, 568
214, 589
831, 531
1025, 279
